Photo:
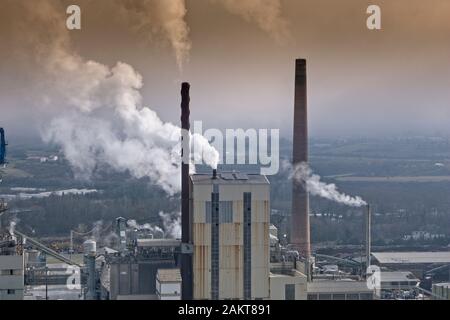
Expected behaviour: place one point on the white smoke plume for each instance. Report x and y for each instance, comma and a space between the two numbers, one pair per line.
106, 123
172, 224
303, 174
155, 230
12, 226
165, 17
265, 13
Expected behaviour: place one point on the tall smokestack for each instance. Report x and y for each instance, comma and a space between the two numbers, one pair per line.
368, 235
300, 234
186, 257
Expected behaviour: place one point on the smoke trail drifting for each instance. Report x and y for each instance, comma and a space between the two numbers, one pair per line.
162, 17
303, 174
265, 13
167, 17
106, 123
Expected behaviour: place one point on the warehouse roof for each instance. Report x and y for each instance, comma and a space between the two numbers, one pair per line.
229, 178
169, 275
398, 276
411, 257
331, 286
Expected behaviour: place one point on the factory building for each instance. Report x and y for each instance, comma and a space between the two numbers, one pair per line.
230, 232
11, 271
132, 274
419, 263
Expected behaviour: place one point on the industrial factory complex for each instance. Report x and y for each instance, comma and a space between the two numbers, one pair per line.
229, 249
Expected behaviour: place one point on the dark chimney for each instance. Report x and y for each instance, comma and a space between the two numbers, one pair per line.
186, 258
214, 174
300, 236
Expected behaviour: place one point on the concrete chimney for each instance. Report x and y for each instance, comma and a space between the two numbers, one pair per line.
300, 229
186, 257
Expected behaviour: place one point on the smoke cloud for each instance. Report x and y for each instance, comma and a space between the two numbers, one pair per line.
162, 17
265, 13
172, 224
106, 123
303, 174
153, 229
167, 18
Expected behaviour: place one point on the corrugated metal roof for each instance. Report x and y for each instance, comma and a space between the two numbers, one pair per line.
411, 257
169, 275
327, 286
397, 276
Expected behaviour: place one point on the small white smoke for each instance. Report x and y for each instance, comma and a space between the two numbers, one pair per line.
12, 226
172, 224
304, 175
265, 13
153, 229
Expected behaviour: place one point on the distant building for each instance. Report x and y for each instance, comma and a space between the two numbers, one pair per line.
168, 284
11, 272
339, 290
416, 262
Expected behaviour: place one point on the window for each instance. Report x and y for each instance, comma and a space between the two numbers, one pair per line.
325, 296
289, 292
312, 296
338, 296
366, 296
352, 296
11, 291
225, 211
10, 272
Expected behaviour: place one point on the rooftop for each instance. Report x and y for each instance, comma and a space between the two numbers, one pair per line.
398, 276
344, 286
158, 243
411, 257
229, 178
169, 275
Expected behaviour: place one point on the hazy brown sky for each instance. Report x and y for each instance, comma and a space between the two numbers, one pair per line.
361, 82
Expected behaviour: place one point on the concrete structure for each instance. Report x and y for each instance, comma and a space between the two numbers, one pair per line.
133, 276
230, 215
300, 230
168, 284
339, 290
11, 277
441, 291
288, 286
